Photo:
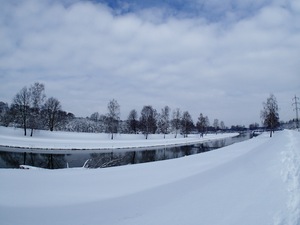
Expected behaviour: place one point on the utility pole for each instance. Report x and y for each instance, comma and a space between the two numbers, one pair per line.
295, 104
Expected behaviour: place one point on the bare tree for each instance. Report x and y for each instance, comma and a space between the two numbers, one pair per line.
5, 114
216, 124
113, 117
201, 124
164, 120
269, 114
22, 104
186, 123
207, 123
132, 121
176, 121
52, 108
37, 98
148, 120
222, 125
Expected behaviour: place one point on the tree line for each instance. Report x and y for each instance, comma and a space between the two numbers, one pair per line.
149, 121
31, 110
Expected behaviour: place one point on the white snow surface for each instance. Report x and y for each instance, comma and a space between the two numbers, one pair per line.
255, 182
13, 137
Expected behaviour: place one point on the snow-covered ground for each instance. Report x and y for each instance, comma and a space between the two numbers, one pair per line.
252, 182
14, 137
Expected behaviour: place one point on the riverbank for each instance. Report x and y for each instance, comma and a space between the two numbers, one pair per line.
46, 140
251, 182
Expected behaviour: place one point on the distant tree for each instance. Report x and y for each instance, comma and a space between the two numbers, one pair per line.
148, 120
98, 121
103, 123
201, 124
253, 126
207, 123
113, 117
132, 121
70, 116
164, 120
21, 103
81, 125
123, 127
222, 125
37, 98
269, 114
176, 121
240, 128
5, 114
95, 117
51, 111
3, 108
64, 120
216, 124
186, 123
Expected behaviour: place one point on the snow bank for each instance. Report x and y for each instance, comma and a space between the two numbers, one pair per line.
252, 182
13, 137
291, 174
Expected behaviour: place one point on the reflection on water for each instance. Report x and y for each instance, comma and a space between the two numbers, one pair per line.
14, 160
102, 160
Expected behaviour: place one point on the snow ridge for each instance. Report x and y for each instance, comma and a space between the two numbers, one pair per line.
291, 175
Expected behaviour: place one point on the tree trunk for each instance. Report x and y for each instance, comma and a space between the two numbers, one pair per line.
51, 124
24, 127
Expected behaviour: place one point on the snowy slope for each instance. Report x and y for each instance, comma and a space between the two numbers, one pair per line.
252, 182
14, 137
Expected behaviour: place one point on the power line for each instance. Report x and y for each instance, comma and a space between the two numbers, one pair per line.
295, 104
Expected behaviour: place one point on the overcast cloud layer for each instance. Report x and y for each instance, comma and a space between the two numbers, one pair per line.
220, 58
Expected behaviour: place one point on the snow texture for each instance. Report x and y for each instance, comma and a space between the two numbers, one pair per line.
252, 182
291, 174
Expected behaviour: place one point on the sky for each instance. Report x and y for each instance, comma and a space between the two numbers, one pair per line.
219, 58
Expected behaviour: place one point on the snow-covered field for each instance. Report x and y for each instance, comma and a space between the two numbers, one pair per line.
255, 182
14, 137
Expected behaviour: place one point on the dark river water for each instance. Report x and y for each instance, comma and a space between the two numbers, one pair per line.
100, 159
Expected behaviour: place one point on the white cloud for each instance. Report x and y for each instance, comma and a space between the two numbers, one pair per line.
86, 55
